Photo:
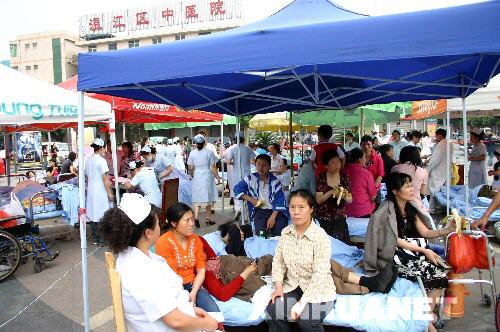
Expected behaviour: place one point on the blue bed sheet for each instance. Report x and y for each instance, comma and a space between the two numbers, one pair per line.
477, 205
357, 226
400, 310
240, 313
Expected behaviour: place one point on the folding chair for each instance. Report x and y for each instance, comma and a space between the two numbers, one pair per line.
116, 292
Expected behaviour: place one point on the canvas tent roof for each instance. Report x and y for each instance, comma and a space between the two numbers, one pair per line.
28, 102
332, 59
136, 111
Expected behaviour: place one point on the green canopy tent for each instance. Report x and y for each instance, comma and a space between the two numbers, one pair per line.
228, 120
377, 113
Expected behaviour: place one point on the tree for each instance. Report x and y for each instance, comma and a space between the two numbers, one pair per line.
266, 138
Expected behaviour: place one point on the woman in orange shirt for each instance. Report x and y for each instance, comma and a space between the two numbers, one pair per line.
183, 251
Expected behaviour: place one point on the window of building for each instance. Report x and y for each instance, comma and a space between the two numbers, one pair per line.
133, 43
26, 46
13, 50
112, 46
92, 48
35, 67
180, 37
204, 33
34, 45
156, 40
28, 67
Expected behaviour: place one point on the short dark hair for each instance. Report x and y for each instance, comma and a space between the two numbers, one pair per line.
72, 156
30, 172
416, 133
383, 149
176, 211
263, 157
325, 131
305, 194
349, 134
366, 138
328, 155
410, 154
277, 147
480, 136
120, 232
395, 131
441, 132
355, 155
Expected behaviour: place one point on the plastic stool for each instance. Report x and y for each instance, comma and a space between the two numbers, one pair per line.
455, 294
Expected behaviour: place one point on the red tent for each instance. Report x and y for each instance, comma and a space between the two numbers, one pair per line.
134, 111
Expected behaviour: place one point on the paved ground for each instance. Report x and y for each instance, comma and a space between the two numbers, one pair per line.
60, 308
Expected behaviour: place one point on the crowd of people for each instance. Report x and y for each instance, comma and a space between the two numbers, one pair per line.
338, 182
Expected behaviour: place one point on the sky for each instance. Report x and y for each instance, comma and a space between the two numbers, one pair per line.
29, 16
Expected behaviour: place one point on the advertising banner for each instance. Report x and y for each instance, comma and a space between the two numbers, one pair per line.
427, 108
29, 146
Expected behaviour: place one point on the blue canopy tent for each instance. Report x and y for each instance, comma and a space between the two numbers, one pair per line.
311, 55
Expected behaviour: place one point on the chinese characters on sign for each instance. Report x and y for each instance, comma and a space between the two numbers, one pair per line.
205, 14
216, 8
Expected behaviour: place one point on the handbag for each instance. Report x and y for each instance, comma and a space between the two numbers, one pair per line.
462, 252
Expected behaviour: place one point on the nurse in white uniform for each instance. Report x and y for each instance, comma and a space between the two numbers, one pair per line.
152, 294
179, 157
145, 179
99, 194
201, 163
477, 156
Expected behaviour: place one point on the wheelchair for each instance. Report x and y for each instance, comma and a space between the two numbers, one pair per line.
18, 244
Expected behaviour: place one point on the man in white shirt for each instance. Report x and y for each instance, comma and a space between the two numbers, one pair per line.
438, 167
397, 144
349, 143
233, 158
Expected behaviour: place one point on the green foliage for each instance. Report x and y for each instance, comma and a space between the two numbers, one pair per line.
266, 138
487, 121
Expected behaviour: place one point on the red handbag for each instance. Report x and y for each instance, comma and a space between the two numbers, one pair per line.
482, 254
462, 253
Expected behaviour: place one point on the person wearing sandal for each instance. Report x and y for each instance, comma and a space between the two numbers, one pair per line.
201, 163
183, 251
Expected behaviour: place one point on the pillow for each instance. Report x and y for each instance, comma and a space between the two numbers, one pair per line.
215, 241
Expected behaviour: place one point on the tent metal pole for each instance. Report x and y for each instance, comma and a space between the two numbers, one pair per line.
243, 214
344, 135
14, 149
112, 136
222, 159
68, 139
466, 153
49, 137
81, 213
448, 161
290, 144
466, 158
7, 159
123, 132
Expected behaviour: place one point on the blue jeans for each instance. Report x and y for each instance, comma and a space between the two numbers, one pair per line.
260, 217
203, 299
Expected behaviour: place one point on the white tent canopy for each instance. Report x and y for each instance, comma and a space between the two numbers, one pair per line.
483, 102
26, 100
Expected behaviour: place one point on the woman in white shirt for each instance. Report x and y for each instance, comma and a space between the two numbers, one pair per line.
152, 294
